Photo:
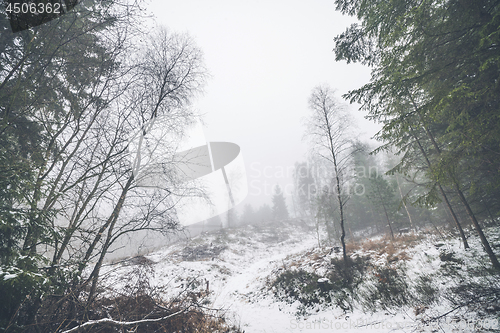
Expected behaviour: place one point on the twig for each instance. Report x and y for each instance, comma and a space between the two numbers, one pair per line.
475, 299
122, 323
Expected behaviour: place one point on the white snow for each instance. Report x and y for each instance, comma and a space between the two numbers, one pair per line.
237, 264
9, 276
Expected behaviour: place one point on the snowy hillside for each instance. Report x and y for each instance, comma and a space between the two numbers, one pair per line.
275, 278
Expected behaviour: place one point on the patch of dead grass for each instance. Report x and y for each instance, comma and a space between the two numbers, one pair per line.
394, 249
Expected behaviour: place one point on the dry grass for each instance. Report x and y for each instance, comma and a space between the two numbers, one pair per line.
318, 256
408, 239
352, 247
389, 249
394, 249
374, 245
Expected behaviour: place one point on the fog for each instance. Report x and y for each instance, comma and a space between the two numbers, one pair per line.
265, 58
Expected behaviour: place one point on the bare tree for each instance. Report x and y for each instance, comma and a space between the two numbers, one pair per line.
170, 74
328, 129
65, 77
85, 197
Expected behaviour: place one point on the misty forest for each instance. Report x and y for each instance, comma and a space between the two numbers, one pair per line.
397, 234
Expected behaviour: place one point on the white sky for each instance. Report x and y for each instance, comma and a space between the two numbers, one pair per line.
265, 57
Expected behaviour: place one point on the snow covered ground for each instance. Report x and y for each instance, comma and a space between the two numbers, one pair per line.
235, 266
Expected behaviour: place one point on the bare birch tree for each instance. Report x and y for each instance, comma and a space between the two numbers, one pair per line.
328, 129
83, 196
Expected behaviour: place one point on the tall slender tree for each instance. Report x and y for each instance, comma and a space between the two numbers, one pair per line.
328, 128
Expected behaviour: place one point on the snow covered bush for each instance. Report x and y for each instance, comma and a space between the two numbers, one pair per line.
338, 287
19, 288
387, 288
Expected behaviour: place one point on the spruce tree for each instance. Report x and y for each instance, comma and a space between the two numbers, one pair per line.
434, 87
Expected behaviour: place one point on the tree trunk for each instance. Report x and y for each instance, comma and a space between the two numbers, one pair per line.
404, 204
479, 230
94, 276
385, 210
447, 202
455, 218
341, 206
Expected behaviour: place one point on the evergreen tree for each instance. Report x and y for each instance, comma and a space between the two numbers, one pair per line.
280, 212
360, 210
383, 199
435, 88
248, 216
264, 214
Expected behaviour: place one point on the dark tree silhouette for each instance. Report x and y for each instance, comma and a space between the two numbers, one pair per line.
280, 212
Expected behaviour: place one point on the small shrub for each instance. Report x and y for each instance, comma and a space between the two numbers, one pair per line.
373, 245
408, 239
389, 249
299, 285
389, 288
450, 266
352, 247
338, 287
202, 252
399, 256
17, 289
426, 292
449, 256
484, 296
351, 275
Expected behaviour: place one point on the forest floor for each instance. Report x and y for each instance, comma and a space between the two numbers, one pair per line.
275, 278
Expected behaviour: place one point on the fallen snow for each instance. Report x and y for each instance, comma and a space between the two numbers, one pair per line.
247, 258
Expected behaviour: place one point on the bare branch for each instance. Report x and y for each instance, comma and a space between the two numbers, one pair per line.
113, 322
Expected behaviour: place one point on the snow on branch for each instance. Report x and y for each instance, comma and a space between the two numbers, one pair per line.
122, 323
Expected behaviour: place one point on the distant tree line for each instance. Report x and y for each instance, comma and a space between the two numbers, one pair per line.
277, 211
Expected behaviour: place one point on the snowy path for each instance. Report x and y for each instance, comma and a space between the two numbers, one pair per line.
241, 293
237, 277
